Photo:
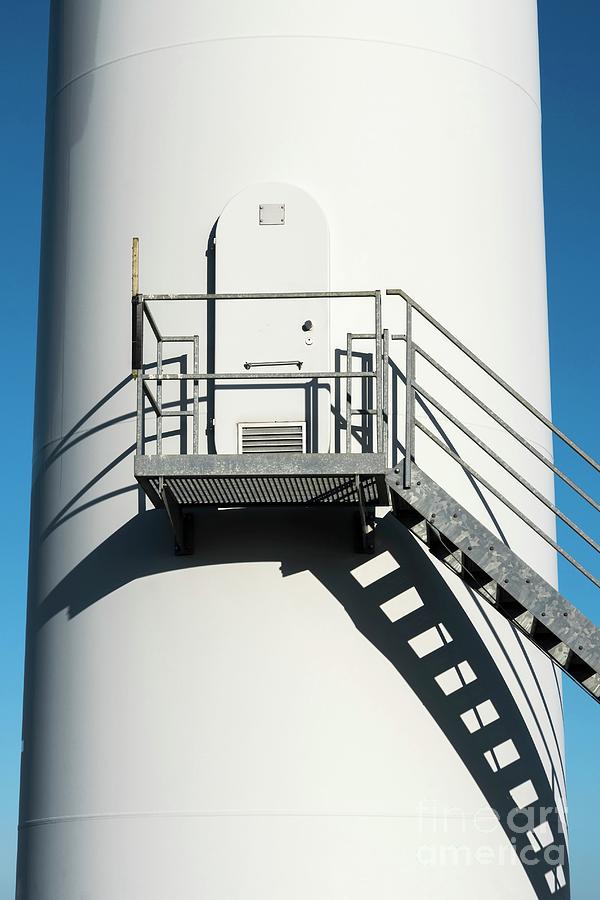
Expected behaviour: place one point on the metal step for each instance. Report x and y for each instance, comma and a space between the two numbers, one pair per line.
491, 568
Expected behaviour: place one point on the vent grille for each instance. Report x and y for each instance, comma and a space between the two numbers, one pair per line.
271, 437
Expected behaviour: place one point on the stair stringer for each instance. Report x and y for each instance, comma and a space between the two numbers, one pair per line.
486, 564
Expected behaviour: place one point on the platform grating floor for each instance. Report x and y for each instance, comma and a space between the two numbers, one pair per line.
253, 490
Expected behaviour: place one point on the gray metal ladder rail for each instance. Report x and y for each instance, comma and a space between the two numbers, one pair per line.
488, 566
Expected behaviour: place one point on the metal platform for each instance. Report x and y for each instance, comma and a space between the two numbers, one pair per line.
180, 481
266, 479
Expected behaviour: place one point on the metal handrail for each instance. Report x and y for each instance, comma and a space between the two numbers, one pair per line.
250, 376
486, 484
142, 312
412, 304
515, 434
286, 295
498, 459
414, 389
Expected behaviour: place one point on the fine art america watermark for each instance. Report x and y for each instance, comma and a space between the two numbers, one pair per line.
532, 840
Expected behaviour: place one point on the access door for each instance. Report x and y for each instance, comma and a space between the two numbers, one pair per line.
272, 238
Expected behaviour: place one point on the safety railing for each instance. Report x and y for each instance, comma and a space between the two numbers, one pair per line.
415, 389
152, 400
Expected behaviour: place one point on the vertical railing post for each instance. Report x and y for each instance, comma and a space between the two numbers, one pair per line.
159, 395
386, 359
409, 423
196, 423
139, 423
379, 371
348, 394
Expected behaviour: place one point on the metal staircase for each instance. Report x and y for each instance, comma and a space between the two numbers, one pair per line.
480, 556
491, 568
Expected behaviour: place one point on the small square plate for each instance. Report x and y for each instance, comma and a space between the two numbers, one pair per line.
271, 214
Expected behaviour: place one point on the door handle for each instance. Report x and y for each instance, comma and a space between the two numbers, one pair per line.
281, 362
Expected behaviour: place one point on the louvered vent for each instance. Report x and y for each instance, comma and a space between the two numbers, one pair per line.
271, 437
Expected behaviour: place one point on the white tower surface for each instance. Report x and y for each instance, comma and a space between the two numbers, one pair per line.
249, 721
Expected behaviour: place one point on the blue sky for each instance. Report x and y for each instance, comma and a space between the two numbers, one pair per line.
569, 38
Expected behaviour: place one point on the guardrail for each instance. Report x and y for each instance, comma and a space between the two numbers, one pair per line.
415, 389
142, 314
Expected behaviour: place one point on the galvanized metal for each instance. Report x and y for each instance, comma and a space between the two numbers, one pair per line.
504, 465
511, 576
442, 537
277, 362
290, 295
348, 393
159, 394
379, 371
252, 376
272, 491
366, 499
507, 387
500, 421
150, 396
514, 509
204, 465
181, 522
409, 424
140, 418
152, 322
196, 410
385, 403
380, 412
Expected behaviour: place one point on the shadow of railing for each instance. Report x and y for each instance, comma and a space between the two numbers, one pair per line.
434, 646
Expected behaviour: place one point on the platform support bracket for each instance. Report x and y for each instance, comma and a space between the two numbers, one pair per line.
182, 523
366, 520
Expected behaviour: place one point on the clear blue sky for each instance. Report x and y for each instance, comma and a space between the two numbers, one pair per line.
569, 37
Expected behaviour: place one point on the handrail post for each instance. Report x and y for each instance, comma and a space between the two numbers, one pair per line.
386, 358
139, 423
348, 393
159, 396
409, 423
379, 371
196, 420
